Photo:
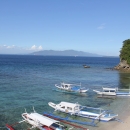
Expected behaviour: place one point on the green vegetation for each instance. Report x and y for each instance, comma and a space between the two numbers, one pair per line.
125, 51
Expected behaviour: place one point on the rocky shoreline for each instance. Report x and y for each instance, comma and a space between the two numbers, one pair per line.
123, 66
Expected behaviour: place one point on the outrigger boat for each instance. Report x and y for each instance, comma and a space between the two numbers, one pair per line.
107, 91
39, 121
113, 92
71, 87
83, 111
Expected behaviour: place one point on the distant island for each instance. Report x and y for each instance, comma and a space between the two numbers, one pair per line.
65, 53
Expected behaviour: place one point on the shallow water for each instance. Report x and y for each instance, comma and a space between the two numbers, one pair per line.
27, 81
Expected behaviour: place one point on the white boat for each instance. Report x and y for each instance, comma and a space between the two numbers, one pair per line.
39, 121
42, 122
107, 91
113, 92
71, 87
83, 111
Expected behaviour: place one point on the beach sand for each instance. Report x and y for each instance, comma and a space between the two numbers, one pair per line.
120, 106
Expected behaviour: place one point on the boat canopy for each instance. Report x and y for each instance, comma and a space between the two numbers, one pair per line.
76, 88
43, 119
113, 89
72, 105
72, 85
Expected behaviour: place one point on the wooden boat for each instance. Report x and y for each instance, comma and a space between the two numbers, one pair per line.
71, 87
83, 111
39, 121
113, 92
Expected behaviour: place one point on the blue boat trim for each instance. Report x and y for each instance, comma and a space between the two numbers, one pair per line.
92, 123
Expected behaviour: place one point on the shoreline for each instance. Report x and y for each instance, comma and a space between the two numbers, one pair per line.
122, 108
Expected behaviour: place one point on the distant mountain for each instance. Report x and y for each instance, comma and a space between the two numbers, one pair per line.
64, 53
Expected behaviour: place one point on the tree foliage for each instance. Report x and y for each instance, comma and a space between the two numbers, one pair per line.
125, 51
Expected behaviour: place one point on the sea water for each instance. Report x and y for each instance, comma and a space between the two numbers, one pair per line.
28, 81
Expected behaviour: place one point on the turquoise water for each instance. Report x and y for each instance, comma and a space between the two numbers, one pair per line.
27, 81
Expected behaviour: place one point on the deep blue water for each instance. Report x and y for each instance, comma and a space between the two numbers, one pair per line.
27, 81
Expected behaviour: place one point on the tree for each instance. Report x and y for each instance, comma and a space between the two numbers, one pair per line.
125, 51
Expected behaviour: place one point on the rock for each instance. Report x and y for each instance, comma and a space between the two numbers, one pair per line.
123, 66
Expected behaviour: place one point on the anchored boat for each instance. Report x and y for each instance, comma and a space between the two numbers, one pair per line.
113, 92
107, 91
71, 87
83, 111
39, 121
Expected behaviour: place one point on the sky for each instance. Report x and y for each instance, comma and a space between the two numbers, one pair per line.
94, 26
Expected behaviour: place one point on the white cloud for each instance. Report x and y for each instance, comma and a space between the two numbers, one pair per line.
12, 49
8, 47
13, 46
33, 47
40, 48
36, 48
102, 26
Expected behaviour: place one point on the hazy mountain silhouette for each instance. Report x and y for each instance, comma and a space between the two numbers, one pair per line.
64, 53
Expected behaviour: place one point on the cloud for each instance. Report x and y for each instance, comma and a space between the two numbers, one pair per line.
40, 48
8, 47
13, 46
33, 47
102, 26
36, 48
12, 49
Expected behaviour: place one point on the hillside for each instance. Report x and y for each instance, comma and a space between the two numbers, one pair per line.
64, 53
124, 64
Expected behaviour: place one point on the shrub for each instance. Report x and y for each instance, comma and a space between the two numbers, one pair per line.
125, 51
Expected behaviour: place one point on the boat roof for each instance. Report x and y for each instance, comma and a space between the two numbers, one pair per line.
69, 104
66, 83
43, 119
109, 88
69, 84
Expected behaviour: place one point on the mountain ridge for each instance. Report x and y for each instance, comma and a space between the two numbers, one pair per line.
65, 53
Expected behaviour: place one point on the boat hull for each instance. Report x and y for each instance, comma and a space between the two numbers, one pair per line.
112, 93
105, 93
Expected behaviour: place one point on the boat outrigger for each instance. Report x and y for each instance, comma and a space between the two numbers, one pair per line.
9, 127
71, 87
113, 92
83, 111
39, 121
